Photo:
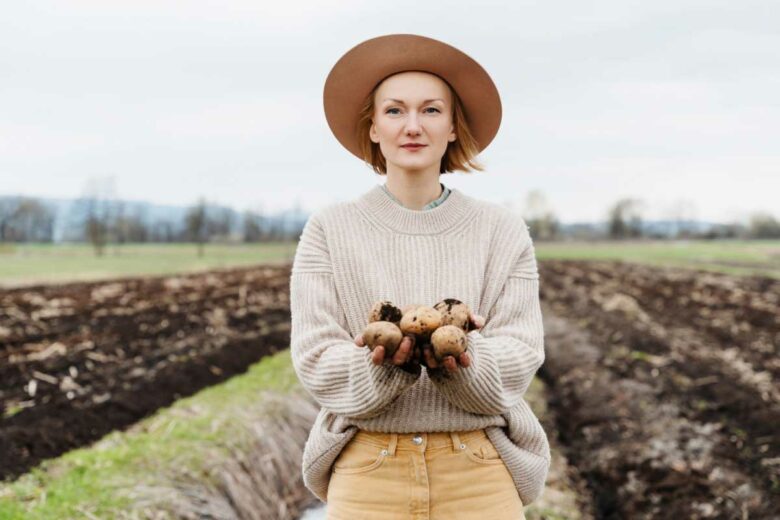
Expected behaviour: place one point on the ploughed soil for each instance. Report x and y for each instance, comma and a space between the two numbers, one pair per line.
664, 383
80, 360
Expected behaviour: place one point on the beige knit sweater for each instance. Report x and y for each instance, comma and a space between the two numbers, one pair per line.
354, 253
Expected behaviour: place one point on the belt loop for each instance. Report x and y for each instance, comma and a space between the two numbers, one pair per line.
455, 441
393, 443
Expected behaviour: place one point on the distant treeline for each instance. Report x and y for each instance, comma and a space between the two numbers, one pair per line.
101, 221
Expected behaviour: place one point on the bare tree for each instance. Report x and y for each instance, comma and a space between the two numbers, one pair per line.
118, 226
680, 212
625, 220
220, 225
99, 192
24, 219
131, 229
162, 231
764, 225
197, 224
7, 209
253, 230
137, 226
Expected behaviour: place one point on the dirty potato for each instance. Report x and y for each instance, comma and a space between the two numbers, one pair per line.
410, 307
383, 333
448, 340
421, 321
454, 312
384, 310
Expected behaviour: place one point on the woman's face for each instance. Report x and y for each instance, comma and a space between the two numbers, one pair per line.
413, 107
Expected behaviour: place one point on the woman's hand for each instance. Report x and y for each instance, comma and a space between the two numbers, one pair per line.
449, 362
405, 353
402, 356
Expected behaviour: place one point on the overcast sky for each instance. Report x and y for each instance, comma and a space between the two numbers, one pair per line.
669, 101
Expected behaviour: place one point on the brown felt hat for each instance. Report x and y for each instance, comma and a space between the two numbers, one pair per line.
364, 66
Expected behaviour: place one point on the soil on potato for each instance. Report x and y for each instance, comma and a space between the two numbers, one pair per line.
665, 386
80, 360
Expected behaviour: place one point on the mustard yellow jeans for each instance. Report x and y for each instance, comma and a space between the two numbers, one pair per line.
421, 476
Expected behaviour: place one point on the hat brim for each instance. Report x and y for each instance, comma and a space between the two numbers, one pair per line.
361, 68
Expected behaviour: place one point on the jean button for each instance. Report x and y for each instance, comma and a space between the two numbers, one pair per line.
417, 440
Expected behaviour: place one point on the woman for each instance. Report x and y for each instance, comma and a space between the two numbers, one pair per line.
394, 440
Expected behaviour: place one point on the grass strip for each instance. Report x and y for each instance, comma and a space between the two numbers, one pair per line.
87, 481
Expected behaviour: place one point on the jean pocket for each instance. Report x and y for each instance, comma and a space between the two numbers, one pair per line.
359, 457
482, 451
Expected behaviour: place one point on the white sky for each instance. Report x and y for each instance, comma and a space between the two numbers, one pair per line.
666, 101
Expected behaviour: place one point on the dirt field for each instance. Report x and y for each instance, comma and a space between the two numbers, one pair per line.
663, 382
665, 387
78, 361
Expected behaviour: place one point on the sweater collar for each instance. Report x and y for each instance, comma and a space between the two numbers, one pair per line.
445, 191
377, 205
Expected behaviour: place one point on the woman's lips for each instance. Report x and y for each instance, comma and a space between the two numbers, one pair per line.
413, 146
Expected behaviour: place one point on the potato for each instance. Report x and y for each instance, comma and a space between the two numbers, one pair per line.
421, 321
448, 340
383, 333
384, 310
454, 312
410, 307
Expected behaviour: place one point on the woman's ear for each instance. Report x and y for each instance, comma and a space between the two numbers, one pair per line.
372, 134
453, 136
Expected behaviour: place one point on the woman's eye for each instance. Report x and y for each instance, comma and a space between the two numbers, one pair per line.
395, 110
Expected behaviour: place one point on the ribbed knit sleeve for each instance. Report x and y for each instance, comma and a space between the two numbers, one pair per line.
338, 374
507, 351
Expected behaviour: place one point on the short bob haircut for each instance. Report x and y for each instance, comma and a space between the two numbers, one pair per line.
459, 156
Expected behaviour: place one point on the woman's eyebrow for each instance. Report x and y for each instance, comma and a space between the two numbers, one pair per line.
402, 103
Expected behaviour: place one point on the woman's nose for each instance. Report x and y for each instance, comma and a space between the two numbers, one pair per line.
412, 124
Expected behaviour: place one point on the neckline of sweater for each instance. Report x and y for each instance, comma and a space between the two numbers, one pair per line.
377, 205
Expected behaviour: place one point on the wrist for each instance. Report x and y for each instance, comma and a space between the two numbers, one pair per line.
411, 367
438, 373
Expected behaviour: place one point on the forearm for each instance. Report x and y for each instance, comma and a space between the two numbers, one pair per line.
498, 376
338, 374
505, 353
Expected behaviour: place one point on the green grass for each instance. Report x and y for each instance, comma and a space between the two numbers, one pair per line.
90, 480
739, 257
180, 436
39, 263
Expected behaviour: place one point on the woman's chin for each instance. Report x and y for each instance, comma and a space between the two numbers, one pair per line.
414, 166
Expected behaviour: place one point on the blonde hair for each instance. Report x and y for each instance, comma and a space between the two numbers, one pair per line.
459, 156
